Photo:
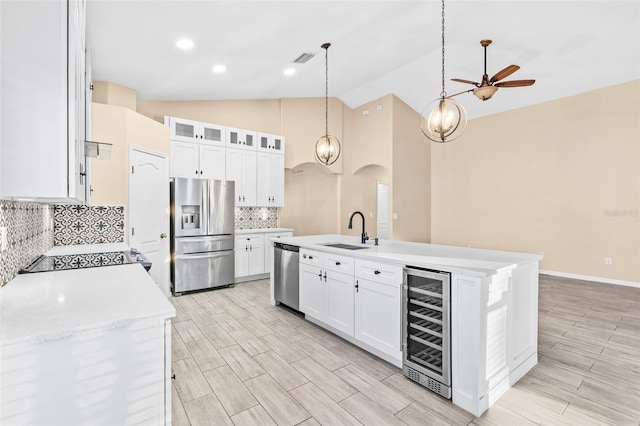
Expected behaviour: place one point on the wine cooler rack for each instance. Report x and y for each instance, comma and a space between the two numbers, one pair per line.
426, 328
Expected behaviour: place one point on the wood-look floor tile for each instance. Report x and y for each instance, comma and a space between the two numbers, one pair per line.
286, 331
242, 364
286, 350
188, 302
233, 395
178, 348
321, 407
206, 411
441, 407
254, 416
281, 371
234, 310
205, 355
276, 401
256, 327
189, 381
325, 379
189, 331
218, 337
310, 422
377, 368
202, 317
227, 322
499, 416
249, 342
416, 415
610, 396
178, 415
370, 413
325, 357
181, 313
376, 391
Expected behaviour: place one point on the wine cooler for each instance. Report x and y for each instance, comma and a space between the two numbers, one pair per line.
427, 329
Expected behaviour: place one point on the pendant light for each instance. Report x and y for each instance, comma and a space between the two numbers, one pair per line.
328, 146
446, 119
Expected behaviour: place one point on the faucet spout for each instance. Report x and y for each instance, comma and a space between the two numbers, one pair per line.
363, 236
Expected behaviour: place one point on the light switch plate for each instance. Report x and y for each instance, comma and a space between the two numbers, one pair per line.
4, 244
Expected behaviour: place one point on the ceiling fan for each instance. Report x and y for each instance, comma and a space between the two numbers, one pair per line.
489, 86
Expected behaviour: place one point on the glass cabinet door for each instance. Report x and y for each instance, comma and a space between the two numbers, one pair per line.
183, 130
212, 133
250, 139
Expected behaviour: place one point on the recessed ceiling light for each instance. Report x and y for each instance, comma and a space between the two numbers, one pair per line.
219, 69
289, 71
184, 44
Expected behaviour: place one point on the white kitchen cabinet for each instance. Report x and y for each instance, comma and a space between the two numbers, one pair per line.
270, 238
270, 182
195, 131
249, 255
378, 315
212, 161
241, 138
241, 168
326, 294
311, 291
197, 160
114, 375
42, 63
271, 143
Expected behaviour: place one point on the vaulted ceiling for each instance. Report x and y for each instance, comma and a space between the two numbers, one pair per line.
378, 47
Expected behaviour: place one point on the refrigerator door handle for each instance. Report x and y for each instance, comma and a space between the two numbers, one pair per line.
205, 255
205, 207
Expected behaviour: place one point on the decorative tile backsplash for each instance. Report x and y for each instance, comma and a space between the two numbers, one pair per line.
82, 224
256, 217
29, 234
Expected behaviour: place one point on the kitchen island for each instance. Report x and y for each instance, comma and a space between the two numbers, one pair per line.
85, 346
356, 291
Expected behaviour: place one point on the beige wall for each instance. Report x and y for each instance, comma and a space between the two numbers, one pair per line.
370, 135
106, 92
311, 200
121, 127
546, 178
410, 188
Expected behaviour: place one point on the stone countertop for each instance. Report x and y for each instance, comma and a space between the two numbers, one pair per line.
262, 231
86, 248
55, 305
470, 261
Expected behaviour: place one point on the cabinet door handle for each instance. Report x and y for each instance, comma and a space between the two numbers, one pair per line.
243, 198
196, 172
320, 275
325, 276
250, 247
338, 263
376, 272
246, 248
357, 286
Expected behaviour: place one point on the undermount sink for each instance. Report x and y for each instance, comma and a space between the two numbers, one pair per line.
345, 246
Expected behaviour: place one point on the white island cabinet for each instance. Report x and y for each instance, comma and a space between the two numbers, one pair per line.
86, 346
493, 306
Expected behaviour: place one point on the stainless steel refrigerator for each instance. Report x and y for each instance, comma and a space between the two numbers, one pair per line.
202, 234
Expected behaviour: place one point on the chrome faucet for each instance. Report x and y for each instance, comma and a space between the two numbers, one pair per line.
363, 236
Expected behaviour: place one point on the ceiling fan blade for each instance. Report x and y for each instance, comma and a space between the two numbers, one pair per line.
506, 72
515, 83
459, 80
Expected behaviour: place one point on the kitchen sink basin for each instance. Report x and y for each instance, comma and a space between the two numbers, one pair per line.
345, 246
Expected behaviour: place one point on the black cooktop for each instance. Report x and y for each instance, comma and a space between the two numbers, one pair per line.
79, 261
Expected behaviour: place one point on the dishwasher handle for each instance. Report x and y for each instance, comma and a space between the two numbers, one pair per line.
287, 247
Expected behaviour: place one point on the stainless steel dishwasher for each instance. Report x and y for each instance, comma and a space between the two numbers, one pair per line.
285, 275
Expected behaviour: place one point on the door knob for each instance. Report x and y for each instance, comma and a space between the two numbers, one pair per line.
163, 235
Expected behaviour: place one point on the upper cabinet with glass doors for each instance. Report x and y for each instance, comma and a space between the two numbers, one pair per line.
241, 138
195, 131
271, 143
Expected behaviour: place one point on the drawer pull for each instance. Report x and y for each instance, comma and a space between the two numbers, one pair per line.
376, 272
337, 263
310, 257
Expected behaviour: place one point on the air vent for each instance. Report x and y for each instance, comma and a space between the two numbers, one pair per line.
303, 58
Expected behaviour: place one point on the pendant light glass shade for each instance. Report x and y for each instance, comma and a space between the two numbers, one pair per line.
327, 147
446, 120
327, 150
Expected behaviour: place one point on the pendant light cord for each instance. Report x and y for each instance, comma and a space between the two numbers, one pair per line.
443, 94
326, 90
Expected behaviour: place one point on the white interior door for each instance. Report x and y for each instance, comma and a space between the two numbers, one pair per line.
149, 211
382, 209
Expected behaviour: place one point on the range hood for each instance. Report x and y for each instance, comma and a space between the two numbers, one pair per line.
99, 150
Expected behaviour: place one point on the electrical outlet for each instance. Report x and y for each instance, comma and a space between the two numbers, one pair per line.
542, 253
4, 244
608, 261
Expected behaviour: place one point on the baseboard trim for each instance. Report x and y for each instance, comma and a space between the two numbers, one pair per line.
590, 278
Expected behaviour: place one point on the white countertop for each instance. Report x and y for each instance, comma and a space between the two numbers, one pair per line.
54, 305
471, 261
86, 248
262, 231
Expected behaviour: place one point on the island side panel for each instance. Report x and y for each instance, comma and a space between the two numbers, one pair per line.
524, 315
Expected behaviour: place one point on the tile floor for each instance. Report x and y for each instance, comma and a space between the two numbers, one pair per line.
240, 361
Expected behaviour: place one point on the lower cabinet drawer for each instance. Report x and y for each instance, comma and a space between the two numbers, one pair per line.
311, 257
338, 263
379, 272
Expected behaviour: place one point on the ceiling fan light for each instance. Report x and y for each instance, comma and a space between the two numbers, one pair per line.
485, 92
446, 120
